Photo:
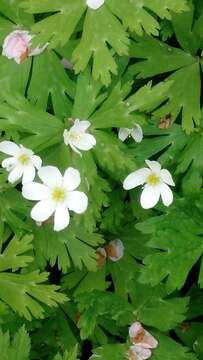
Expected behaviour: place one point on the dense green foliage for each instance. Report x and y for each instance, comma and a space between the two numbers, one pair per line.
131, 62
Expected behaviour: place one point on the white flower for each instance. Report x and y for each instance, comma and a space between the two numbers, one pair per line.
136, 133
77, 137
22, 162
141, 337
17, 46
94, 4
56, 196
115, 250
138, 353
156, 182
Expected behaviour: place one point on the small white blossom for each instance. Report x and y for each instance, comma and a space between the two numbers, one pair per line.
78, 138
136, 133
138, 353
21, 163
115, 250
156, 182
17, 46
56, 196
141, 337
94, 4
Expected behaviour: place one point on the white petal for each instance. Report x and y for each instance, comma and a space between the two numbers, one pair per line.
50, 175
75, 149
28, 174
15, 174
140, 352
136, 178
9, 147
86, 142
71, 179
94, 4
154, 165
38, 50
81, 125
166, 177
35, 191
42, 210
166, 194
77, 201
150, 196
61, 218
123, 133
137, 133
24, 150
37, 161
9, 163
65, 137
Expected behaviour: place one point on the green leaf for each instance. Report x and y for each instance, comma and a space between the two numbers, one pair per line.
137, 16
97, 303
70, 244
14, 77
149, 50
97, 23
67, 355
181, 100
152, 302
16, 349
110, 351
55, 82
23, 293
181, 97
42, 129
168, 349
178, 244
12, 257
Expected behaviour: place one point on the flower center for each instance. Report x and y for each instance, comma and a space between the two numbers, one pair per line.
24, 159
58, 194
74, 136
153, 179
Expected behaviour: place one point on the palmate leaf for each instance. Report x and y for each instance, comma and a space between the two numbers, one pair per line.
110, 351
12, 257
16, 349
177, 238
21, 291
59, 334
18, 114
67, 355
70, 245
54, 81
97, 35
151, 303
97, 303
14, 78
187, 71
167, 142
13, 211
167, 349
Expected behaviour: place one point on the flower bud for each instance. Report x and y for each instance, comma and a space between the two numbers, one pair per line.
115, 250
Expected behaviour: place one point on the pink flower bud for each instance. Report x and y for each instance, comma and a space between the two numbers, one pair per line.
115, 250
17, 46
140, 336
138, 353
101, 257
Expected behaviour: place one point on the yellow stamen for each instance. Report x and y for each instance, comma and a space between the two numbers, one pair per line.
74, 136
58, 194
153, 179
24, 159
